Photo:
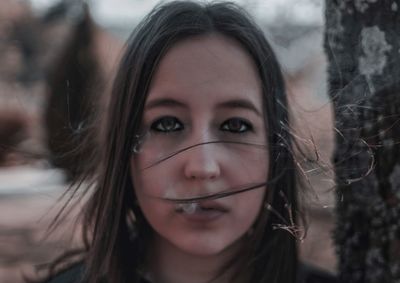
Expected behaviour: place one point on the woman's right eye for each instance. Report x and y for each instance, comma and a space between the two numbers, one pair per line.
166, 124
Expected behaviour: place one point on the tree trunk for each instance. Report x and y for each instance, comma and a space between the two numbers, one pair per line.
362, 42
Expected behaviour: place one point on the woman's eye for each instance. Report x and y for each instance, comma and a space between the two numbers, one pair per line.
236, 125
166, 124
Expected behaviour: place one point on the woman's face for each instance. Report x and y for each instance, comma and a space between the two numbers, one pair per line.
205, 89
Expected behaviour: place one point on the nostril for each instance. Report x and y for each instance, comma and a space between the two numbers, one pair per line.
203, 176
202, 169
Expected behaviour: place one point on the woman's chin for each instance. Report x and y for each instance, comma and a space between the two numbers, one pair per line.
205, 246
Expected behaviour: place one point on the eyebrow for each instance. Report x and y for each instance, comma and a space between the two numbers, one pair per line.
234, 103
239, 103
164, 102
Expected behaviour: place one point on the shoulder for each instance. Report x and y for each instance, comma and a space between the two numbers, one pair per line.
71, 275
307, 274
74, 274
311, 274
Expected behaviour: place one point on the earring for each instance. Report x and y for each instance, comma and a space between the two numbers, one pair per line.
131, 224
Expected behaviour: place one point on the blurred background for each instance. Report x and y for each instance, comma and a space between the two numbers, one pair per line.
58, 58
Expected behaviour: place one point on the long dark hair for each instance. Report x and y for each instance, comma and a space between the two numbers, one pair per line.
117, 247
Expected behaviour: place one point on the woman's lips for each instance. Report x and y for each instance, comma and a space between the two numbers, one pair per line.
202, 211
212, 205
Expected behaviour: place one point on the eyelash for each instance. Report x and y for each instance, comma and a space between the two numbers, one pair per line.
157, 126
245, 126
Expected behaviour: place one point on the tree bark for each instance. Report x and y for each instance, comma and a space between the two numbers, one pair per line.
362, 43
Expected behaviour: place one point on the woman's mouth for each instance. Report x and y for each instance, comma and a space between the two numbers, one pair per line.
201, 211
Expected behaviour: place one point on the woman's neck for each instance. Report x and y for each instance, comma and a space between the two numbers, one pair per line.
168, 264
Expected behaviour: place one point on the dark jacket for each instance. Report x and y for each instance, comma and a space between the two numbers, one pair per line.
307, 274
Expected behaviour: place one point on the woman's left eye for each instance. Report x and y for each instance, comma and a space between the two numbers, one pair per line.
236, 125
166, 124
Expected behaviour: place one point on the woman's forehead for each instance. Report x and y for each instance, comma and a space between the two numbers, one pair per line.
206, 66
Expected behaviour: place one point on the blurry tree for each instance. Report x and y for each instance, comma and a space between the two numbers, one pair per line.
362, 43
74, 83
19, 80
54, 71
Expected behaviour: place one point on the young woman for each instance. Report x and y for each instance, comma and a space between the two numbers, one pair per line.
195, 177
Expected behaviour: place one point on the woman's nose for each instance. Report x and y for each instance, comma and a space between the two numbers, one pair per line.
201, 163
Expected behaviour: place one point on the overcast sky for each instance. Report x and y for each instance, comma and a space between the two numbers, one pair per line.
119, 12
